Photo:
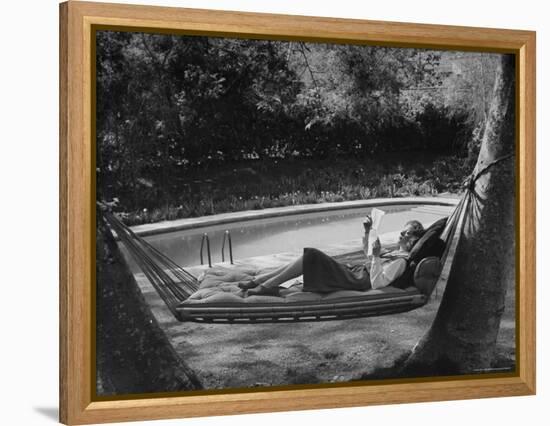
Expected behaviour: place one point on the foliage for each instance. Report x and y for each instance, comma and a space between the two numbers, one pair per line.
256, 185
171, 105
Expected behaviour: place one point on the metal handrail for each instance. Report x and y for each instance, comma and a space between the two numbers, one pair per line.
227, 236
205, 238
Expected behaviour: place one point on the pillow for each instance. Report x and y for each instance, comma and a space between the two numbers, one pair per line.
426, 275
430, 244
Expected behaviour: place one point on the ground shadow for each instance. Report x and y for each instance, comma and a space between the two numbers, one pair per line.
51, 413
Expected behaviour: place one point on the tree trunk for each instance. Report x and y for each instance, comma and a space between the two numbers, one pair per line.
462, 338
132, 352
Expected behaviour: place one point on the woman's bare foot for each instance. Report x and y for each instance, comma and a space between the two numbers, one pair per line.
247, 285
263, 291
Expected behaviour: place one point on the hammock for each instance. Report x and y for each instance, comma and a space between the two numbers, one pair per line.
188, 301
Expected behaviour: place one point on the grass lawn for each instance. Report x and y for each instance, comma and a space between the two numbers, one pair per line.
247, 355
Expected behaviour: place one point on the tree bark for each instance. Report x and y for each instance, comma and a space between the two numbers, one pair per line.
463, 337
133, 355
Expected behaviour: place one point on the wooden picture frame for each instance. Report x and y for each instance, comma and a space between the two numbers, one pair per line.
77, 209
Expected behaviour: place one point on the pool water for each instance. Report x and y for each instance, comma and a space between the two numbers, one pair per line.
286, 234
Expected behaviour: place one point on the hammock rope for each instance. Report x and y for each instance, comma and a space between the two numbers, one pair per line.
469, 183
173, 283
452, 232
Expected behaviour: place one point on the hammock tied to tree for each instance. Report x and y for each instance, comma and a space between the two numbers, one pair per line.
188, 301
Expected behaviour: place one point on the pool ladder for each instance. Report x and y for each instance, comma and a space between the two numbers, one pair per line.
226, 237
205, 238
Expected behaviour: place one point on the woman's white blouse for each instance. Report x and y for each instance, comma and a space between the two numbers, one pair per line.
382, 275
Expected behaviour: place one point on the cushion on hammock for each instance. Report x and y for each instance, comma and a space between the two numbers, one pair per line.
216, 276
219, 285
430, 244
426, 274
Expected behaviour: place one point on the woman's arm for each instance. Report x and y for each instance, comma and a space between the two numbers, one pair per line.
367, 224
381, 276
366, 245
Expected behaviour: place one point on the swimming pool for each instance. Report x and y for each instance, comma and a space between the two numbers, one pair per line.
290, 233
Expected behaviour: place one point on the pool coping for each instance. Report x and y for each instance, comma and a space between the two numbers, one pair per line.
225, 218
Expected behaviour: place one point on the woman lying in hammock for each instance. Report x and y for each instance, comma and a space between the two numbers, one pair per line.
323, 274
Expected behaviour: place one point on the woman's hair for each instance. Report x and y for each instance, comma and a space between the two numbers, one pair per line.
417, 230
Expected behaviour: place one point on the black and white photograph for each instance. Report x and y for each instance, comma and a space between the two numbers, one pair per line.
277, 214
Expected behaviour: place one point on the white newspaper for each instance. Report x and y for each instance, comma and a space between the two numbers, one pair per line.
376, 216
